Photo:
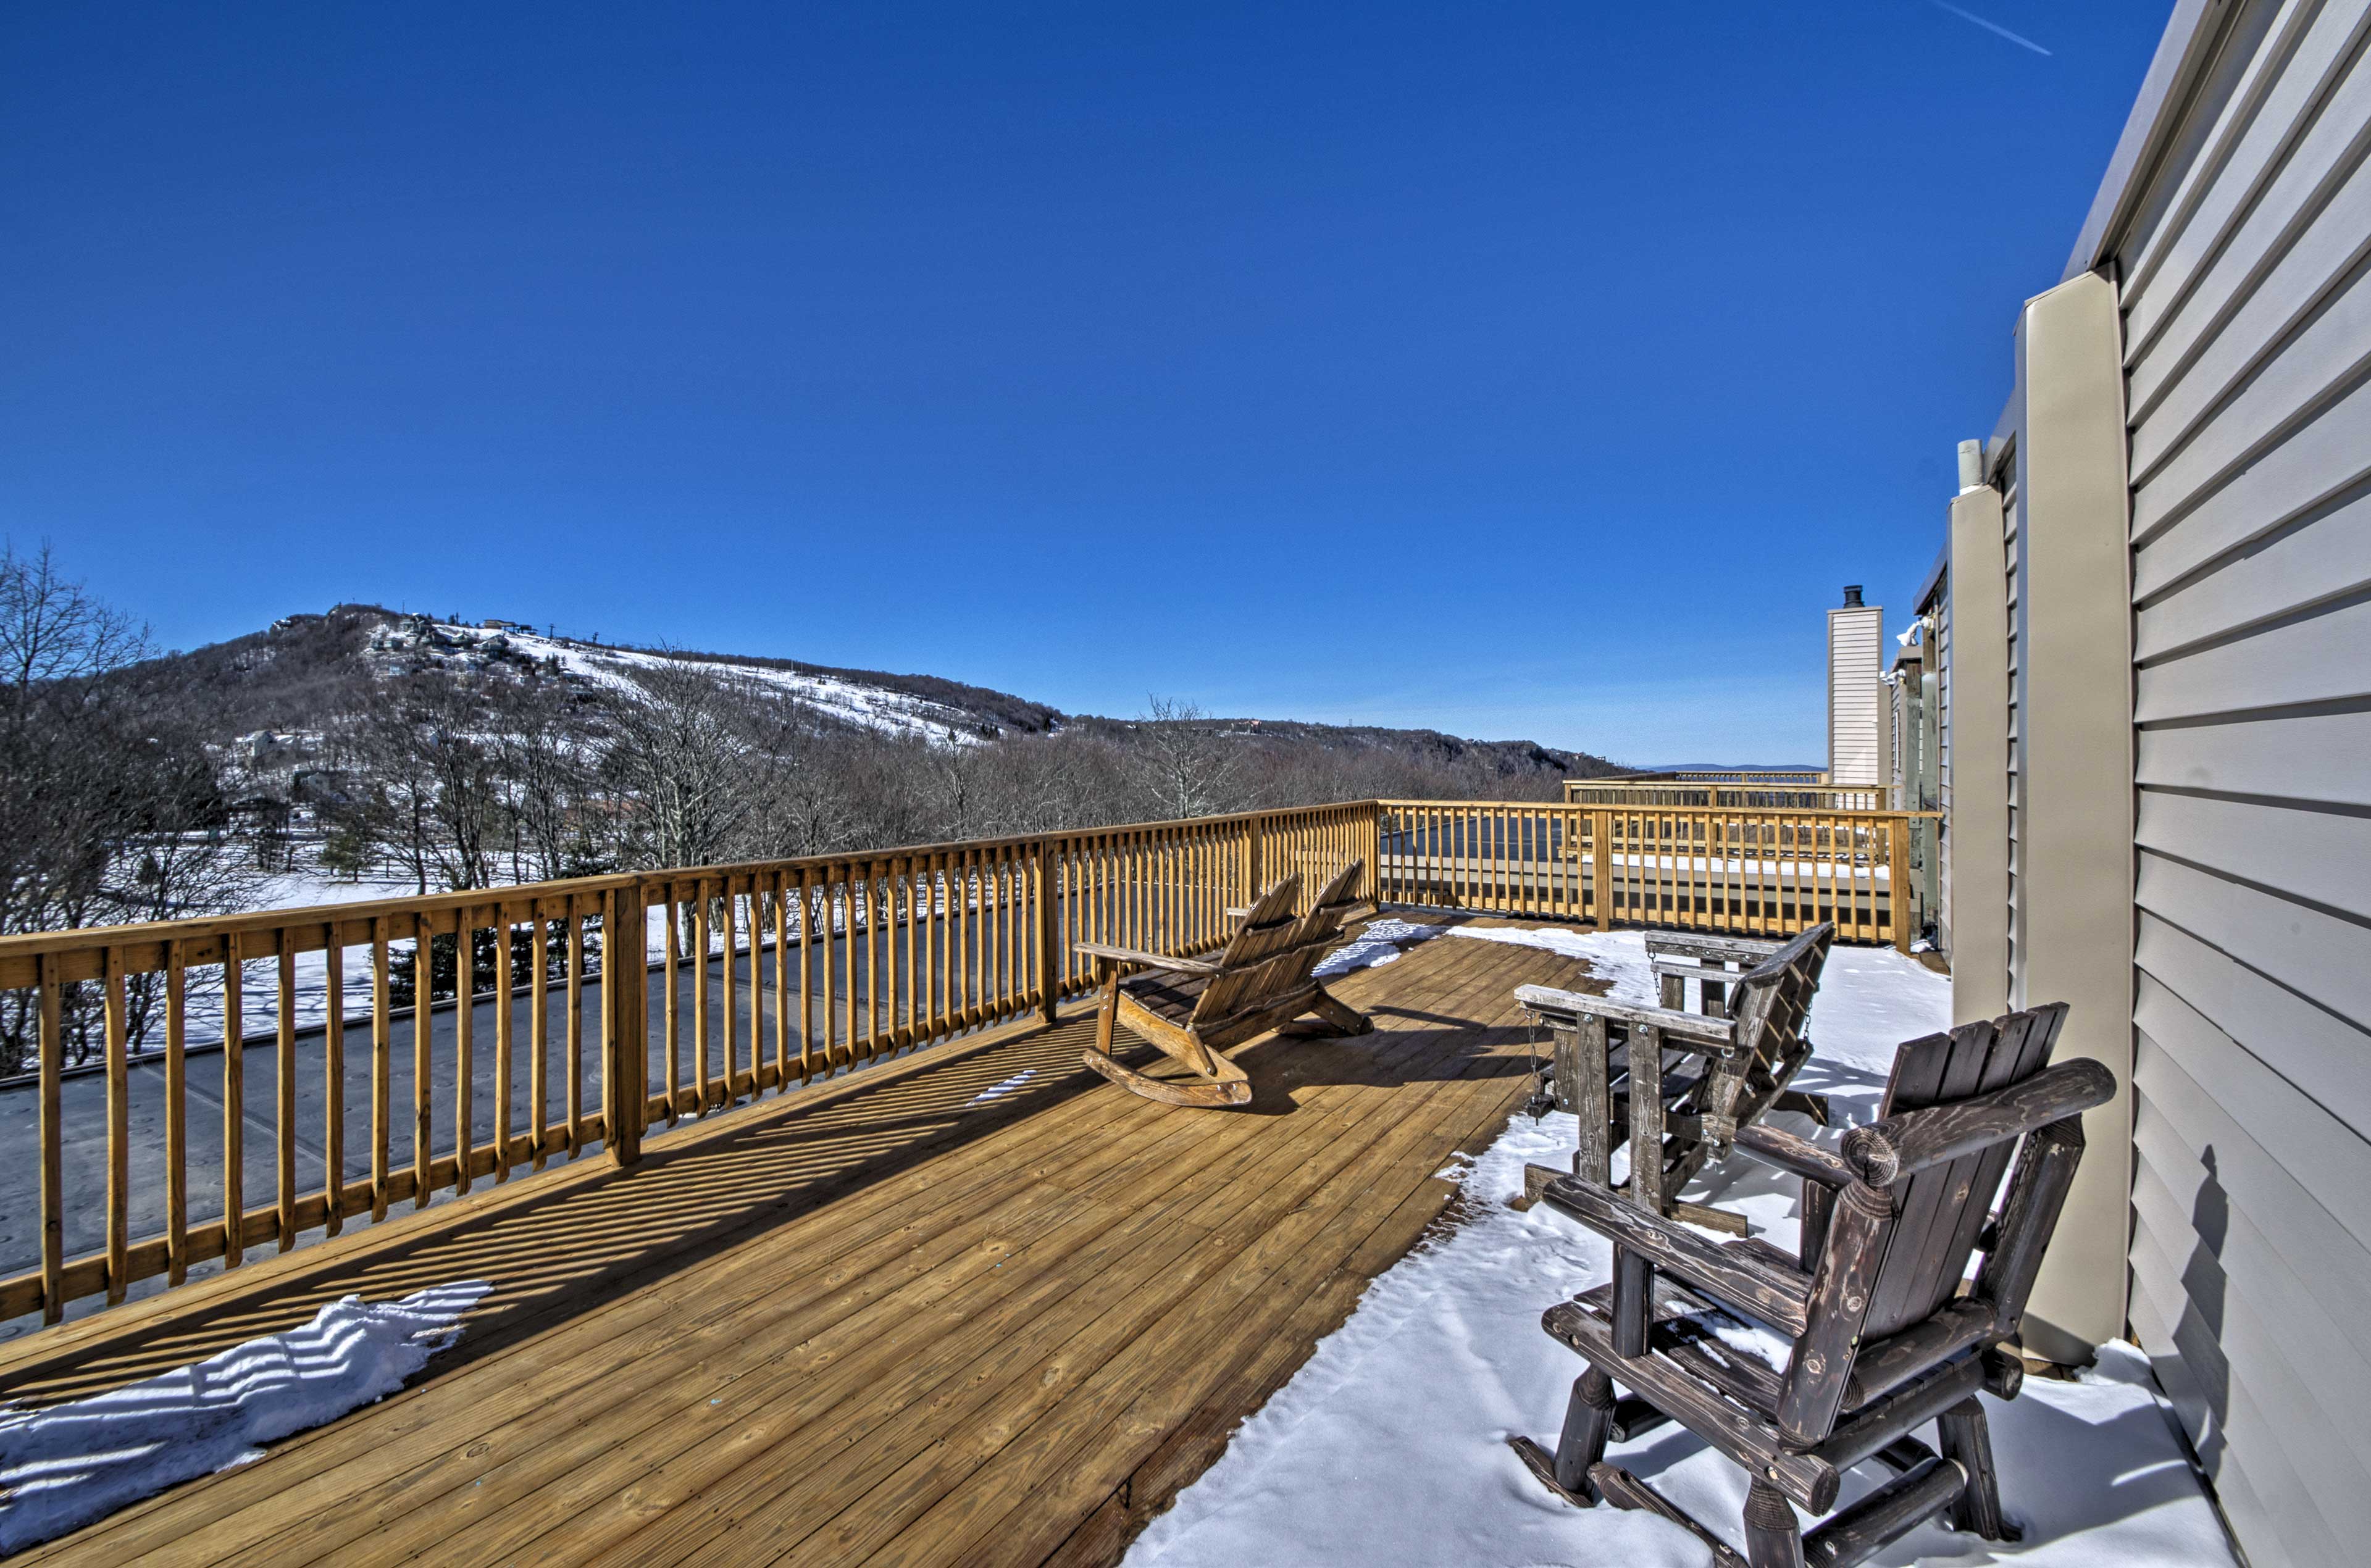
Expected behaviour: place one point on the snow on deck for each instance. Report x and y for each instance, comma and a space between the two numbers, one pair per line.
72, 1463
1389, 1445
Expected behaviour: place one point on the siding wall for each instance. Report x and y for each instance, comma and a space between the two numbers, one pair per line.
2245, 292
1942, 612
1856, 709
2015, 623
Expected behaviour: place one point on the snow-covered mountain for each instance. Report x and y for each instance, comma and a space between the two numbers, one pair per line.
416, 641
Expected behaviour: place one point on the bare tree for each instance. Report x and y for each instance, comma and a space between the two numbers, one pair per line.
550, 787
1187, 765
109, 810
679, 760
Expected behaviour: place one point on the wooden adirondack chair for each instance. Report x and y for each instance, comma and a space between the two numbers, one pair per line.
1736, 1062
1873, 1334
1193, 1008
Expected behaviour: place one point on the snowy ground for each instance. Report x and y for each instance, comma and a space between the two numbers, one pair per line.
1389, 1445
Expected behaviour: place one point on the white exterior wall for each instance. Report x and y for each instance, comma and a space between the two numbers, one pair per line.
2247, 326
1856, 709
2234, 232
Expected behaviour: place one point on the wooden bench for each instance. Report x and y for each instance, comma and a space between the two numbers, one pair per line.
1194, 1008
1736, 1061
1874, 1331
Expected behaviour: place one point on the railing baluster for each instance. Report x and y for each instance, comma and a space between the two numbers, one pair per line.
728, 1049
119, 1126
234, 1102
382, 1051
572, 1052
333, 1078
176, 1112
806, 986
284, 1091
670, 1034
465, 1066
539, 1042
423, 1039
504, 993
782, 980
54, 1199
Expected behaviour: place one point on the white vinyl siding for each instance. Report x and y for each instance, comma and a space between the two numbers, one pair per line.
1857, 716
2247, 302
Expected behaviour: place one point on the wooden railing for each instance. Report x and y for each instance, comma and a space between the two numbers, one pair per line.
735, 981
248, 1081
1752, 872
1794, 776
1756, 794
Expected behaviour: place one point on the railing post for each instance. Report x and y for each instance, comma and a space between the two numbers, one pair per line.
1375, 852
1045, 871
624, 1022
1600, 832
1252, 867
1897, 881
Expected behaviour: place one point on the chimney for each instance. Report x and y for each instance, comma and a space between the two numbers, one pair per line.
1852, 595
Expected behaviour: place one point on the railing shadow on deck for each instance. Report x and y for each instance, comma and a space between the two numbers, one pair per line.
555, 1251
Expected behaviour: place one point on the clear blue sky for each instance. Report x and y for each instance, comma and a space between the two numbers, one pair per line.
1517, 369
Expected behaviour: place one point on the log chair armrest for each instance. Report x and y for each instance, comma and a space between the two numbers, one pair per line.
1801, 1155
1883, 1152
1711, 950
1149, 960
1684, 1031
1738, 1276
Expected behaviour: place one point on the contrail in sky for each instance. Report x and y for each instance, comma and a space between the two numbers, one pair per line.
1988, 27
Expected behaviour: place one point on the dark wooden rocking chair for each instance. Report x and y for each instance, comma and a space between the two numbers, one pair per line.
1193, 1008
1884, 1339
1736, 1061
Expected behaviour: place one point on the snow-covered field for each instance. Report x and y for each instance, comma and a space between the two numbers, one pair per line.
1389, 1446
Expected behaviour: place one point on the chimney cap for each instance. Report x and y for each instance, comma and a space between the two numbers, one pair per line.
1852, 596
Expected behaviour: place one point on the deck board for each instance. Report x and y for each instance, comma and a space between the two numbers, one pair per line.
880, 1322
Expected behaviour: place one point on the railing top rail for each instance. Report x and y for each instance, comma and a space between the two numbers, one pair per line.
1853, 811
31, 945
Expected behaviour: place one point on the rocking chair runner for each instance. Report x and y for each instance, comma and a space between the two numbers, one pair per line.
1882, 1340
1193, 1008
1748, 1046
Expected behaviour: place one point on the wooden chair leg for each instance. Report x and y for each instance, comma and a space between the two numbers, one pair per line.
1107, 1011
1345, 1017
1772, 1536
1588, 1417
1967, 1437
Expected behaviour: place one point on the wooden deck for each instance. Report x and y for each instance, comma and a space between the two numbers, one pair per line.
884, 1321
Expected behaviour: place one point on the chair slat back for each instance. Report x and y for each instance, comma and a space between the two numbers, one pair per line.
1281, 966
1940, 1211
1772, 999
1267, 928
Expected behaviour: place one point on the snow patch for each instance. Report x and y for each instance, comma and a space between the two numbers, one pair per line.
1389, 1445
63, 1467
1379, 943
999, 1090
